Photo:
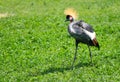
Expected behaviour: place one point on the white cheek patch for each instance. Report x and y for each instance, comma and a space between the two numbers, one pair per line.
90, 34
71, 18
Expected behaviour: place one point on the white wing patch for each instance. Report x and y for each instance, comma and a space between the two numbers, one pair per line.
91, 35
71, 28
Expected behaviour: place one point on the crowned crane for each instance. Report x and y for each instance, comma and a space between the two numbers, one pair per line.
81, 32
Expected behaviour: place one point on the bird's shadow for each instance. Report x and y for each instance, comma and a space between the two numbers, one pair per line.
53, 69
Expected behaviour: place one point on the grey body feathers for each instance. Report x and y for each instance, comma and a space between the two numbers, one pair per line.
75, 29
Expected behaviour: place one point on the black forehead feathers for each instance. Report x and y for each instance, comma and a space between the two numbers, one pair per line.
68, 16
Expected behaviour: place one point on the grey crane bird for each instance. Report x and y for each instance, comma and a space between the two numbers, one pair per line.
82, 33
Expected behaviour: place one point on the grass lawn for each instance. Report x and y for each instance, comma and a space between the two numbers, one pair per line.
36, 47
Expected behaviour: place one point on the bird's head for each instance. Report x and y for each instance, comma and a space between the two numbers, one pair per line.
69, 18
71, 14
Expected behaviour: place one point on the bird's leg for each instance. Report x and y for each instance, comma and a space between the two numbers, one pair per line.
90, 53
76, 44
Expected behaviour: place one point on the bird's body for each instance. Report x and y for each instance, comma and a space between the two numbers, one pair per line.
81, 32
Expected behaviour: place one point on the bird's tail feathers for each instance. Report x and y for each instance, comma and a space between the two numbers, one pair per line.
95, 43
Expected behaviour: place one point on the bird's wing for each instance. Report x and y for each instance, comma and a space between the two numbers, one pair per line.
77, 29
85, 26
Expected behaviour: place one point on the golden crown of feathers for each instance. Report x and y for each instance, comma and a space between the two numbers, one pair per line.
72, 12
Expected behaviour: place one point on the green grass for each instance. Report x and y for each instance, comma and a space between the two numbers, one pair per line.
35, 44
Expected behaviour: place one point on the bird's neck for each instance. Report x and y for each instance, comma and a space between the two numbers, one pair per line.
71, 21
